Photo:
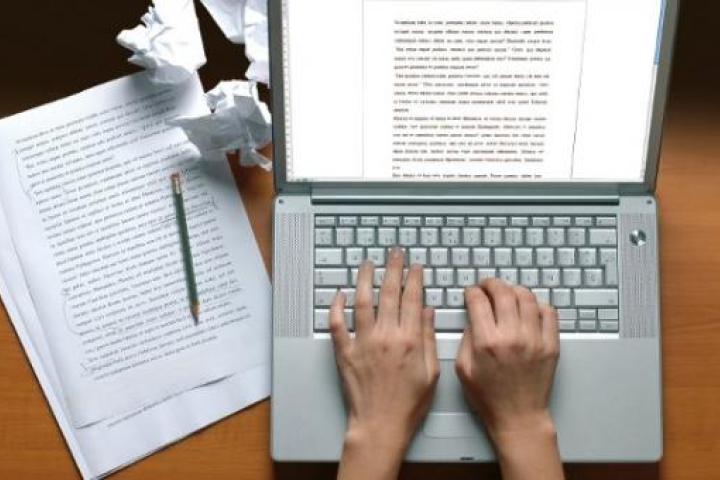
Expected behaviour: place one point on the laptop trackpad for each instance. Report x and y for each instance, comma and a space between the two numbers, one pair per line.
449, 415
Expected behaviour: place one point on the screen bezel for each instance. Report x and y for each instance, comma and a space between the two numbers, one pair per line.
647, 185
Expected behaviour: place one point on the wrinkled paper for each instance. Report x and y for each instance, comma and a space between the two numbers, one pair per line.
245, 21
168, 43
239, 121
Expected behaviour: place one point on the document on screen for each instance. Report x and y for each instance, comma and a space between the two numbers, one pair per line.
472, 90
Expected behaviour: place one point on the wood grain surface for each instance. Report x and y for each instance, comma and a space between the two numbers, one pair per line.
51, 49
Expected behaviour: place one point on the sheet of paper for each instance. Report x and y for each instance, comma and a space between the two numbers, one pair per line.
107, 446
472, 90
94, 226
239, 121
168, 43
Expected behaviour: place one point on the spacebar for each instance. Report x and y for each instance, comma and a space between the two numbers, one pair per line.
450, 320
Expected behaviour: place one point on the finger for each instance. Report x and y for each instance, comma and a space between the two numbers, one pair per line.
529, 311
429, 342
480, 314
550, 330
503, 301
463, 362
411, 309
389, 308
338, 327
364, 314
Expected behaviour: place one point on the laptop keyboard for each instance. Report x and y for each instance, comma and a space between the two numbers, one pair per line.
569, 262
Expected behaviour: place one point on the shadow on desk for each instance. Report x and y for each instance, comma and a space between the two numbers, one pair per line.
592, 471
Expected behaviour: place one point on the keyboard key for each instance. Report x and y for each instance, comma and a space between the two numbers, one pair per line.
331, 277
366, 236
519, 221
328, 256
542, 294
408, 236
438, 257
608, 314
498, 221
465, 277
556, 237
562, 221
603, 236
587, 314
323, 236
481, 257
477, 221
370, 221
387, 237
576, 237
523, 257
324, 221
455, 297
354, 276
510, 275
418, 255
349, 296
486, 273
529, 277
541, 221
429, 237
455, 221
513, 236
376, 256
609, 326
561, 297
378, 277
450, 320
434, 298
347, 221
344, 236
571, 277
444, 277
583, 221
606, 221
354, 256
502, 257
592, 277
324, 296
392, 221
471, 236
587, 257
567, 314
412, 221
428, 277
566, 325
434, 221
566, 257
534, 236
608, 259
450, 237
596, 297
460, 257
588, 325
550, 277
493, 236
545, 257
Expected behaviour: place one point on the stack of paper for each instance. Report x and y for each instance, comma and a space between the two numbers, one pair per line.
91, 271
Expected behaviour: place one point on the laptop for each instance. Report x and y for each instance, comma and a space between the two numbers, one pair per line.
516, 139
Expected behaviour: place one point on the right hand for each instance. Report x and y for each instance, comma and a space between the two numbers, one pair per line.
507, 358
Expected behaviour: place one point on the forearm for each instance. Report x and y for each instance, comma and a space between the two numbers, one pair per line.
529, 452
367, 454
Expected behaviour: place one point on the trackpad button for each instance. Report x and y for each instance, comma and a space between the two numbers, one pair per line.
451, 425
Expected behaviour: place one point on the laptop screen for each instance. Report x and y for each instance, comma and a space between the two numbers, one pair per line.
469, 90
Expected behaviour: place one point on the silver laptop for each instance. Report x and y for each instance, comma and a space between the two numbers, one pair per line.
516, 139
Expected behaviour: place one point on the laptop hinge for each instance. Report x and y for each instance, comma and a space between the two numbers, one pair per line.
326, 197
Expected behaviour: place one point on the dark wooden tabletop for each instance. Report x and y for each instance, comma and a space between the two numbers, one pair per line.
51, 49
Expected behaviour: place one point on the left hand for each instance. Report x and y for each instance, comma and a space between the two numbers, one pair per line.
389, 370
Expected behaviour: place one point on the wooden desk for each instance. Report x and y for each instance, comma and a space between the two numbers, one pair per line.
30, 443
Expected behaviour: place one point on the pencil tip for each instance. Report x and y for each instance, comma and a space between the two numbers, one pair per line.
195, 309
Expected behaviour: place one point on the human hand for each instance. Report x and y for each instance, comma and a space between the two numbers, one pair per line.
506, 364
389, 370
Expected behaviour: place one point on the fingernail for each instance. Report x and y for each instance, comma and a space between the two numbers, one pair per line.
396, 252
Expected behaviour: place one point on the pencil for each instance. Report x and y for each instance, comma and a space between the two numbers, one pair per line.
185, 246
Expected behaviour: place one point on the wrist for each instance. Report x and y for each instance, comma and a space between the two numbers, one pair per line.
370, 451
523, 429
377, 436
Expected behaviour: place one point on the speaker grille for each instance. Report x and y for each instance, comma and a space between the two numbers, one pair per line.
292, 272
639, 287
